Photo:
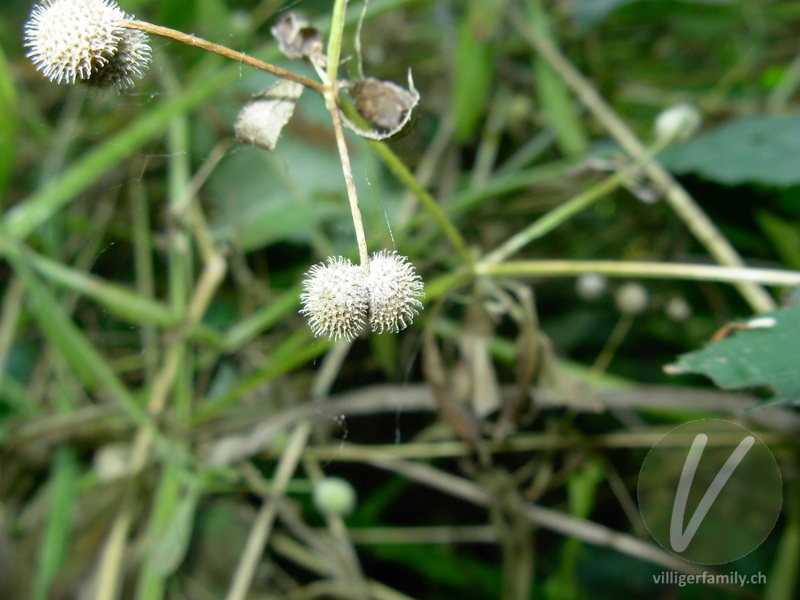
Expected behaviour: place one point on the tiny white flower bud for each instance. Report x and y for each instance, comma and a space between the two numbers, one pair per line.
334, 496
336, 299
394, 289
677, 123
631, 299
111, 461
591, 286
678, 309
84, 40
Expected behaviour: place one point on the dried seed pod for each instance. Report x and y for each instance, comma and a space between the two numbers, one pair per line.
382, 102
298, 39
261, 120
388, 106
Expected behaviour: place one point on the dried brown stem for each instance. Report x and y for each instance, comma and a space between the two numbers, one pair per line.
192, 40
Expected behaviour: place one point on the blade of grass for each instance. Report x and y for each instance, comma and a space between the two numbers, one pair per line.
290, 354
74, 347
472, 71
557, 103
8, 122
783, 576
262, 319
151, 582
117, 299
55, 542
11, 308
145, 278
582, 491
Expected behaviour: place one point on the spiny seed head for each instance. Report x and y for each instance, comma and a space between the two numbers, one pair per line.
335, 299
129, 63
84, 40
394, 289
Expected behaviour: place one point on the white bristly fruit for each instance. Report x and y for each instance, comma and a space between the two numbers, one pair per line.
72, 41
335, 300
394, 292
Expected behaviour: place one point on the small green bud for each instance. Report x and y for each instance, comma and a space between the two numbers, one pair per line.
334, 496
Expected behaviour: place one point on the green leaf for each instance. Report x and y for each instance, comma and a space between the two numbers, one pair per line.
752, 149
761, 352
282, 197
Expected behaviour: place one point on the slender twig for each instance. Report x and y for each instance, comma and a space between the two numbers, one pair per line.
300, 555
262, 526
197, 42
559, 522
192, 309
613, 343
290, 458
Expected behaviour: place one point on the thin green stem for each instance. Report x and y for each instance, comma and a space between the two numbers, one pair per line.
554, 218
644, 270
406, 177
352, 196
335, 40
334, 52
565, 211
613, 343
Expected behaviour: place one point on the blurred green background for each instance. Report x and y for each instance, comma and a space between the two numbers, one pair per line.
151, 269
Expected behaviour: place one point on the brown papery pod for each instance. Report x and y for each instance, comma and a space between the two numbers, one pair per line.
385, 104
298, 38
261, 120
